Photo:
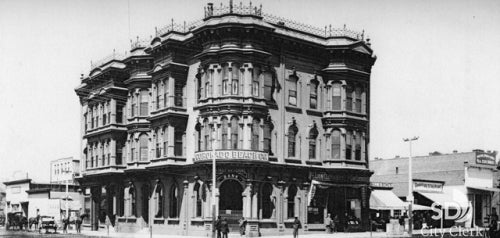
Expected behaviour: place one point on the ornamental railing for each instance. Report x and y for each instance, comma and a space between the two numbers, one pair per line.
108, 58
175, 27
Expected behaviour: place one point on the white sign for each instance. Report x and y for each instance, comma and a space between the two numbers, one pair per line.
231, 155
427, 186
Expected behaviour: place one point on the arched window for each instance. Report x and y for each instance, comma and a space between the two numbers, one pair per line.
225, 80
357, 153
348, 145
206, 134
144, 98
255, 75
292, 137
158, 95
313, 135
159, 200
197, 198
336, 97
234, 133
358, 99
174, 200
268, 128
132, 200
267, 205
143, 147
198, 86
313, 98
335, 144
292, 192
224, 131
178, 145
165, 90
235, 82
348, 101
255, 133
199, 135
157, 143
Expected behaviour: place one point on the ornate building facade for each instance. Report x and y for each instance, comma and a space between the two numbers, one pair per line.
283, 107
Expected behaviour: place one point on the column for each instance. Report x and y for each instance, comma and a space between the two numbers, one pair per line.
208, 202
185, 204
255, 200
363, 146
363, 100
342, 145
247, 132
247, 201
112, 104
154, 90
113, 152
343, 97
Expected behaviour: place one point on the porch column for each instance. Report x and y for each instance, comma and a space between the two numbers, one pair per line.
247, 201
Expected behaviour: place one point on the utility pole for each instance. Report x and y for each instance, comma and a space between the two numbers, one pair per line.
410, 187
214, 187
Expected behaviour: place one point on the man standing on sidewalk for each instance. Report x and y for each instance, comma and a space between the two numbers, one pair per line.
328, 223
296, 226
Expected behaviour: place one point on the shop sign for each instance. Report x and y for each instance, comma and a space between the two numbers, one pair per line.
323, 176
231, 155
427, 186
485, 158
380, 185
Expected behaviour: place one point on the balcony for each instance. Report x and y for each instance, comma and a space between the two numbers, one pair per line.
231, 155
108, 128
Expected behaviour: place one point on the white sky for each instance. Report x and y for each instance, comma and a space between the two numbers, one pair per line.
436, 75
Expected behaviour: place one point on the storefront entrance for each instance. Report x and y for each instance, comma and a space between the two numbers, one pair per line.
231, 201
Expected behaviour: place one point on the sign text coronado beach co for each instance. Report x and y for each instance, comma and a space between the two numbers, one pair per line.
231, 155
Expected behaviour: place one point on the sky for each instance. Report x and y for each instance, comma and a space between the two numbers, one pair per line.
436, 76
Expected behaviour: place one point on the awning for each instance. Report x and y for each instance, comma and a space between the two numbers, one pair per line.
443, 199
72, 205
386, 200
484, 189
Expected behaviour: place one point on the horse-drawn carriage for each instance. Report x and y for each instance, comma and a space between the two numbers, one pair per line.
16, 220
47, 223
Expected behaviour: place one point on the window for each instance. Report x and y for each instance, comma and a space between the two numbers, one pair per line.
268, 85
234, 133
198, 200
133, 202
104, 116
292, 192
199, 136
267, 205
86, 120
165, 90
235, 83
132, 150
133, 106
313, 99
292, 91
178, 142
144, 103
121, 201
206, 134
268, 128
358, 100
174, 196
119, 153
255, 82
224, 131
313, 135
336, 97
225, 80
348, 146
198, 87
159, 200
158, 146
255, 134
119, 114
165, 140
207, 89
348, 102
292, 133
357, 153
178, 88
336, 144
158, 96
143, 144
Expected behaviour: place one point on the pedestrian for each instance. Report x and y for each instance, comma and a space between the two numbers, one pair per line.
79, 224
65, 225
224, 228
218, 226
242, 224
296, 226
328, 223
335, 222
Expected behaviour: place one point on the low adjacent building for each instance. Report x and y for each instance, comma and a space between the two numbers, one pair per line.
64, 170
465, 180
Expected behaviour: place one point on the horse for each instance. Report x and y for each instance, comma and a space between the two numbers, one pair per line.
34, 221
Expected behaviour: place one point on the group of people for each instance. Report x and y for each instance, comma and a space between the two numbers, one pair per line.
331, 224
222, 227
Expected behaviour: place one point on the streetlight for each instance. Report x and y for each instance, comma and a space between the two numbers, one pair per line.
410, 188
214, 137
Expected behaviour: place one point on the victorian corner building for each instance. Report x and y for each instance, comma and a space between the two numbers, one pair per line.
282, 107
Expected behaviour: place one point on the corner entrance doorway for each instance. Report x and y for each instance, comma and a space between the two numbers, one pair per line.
231, 202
